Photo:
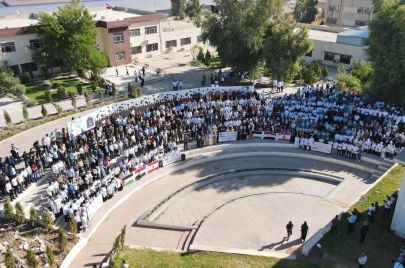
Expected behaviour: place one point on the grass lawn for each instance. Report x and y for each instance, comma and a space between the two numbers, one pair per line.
381, 244
37, 91
142, 258
215, 63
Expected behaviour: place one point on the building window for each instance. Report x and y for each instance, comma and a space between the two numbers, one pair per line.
136, 50
332, 8
152, 47
151, 30
35, 43
118, 38
27, 67
363, 10
331, 20
200, 39
329, 56
8, 47
135, 32
359, 22
120, 55
171, 43
309, 54
185, 41
345, 59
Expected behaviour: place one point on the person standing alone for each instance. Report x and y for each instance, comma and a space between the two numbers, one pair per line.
362, 260
289, 228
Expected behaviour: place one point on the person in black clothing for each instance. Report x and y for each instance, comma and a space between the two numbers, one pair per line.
304, 231
334, 226
363, 231
289, 228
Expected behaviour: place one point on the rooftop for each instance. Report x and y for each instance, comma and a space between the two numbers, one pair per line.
16, 22
322, 35
111, 15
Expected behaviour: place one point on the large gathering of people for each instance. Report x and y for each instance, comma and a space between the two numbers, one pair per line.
94, 162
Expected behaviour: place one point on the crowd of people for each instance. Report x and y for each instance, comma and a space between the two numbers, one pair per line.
95, 162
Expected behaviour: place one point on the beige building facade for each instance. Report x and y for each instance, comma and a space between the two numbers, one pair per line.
348, 12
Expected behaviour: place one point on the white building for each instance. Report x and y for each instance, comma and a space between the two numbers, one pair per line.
124, 36
334, 46
398, 220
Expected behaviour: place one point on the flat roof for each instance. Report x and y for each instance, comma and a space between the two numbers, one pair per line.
16, 22
360, 33
322, 36
111, 15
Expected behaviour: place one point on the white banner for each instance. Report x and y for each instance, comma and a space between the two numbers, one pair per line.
171, 157
152, 166
321, 147
227, 136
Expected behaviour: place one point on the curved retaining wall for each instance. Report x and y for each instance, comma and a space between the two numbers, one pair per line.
170, 169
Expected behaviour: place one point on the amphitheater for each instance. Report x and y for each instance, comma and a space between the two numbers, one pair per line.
231, 197
235, 198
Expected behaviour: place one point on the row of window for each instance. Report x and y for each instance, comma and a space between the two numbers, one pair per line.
330, 56
183, 42
136, 50
10, 46
119, 36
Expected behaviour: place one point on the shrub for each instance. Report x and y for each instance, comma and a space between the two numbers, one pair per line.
79, 89
61, 92
48, 221
130, 92
44, 112
138, 91
19, 213
8, 210
324, 71
100, 93
29, 102
73, 226
25, 113
32, 259
113, 90
57, 107
34, 217
73, 98
87, 97
48, 96
200, 55
9, 259
7, 117
62, 240
122, 236
50, 255
207, 58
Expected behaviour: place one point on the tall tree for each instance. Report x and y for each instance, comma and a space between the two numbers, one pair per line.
305, 10
69, 36
387, 52
193, 11
179, 8
239, 29
284, 48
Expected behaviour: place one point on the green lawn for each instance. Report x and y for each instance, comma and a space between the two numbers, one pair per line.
381, 245
215, 63
37, 91
138, 258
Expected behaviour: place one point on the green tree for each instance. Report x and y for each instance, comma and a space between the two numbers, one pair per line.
362, 70
9, 84
87, 97
100, 94
48, 96
79, 89
62, 240
8, 210
324, 72
57, 107
346, 81
7, 117
9, 259
305, 10
284, 48
32, 259
178, 8
138, 91
19, 213
61, 92
387, 52
200, 56
50, 255
69, 36
207, 58
239, 29
310, 72
25, 113
73, 99
48, 221
113, 90
130, 91
44, 112
122, 236
34, 217
193, 10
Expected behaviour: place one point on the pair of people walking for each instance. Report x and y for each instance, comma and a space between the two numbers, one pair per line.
304, 230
